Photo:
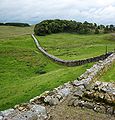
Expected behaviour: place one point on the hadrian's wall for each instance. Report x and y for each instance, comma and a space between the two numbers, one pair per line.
85, 92
70, 62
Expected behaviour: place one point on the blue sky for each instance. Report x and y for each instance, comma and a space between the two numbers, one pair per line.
33, 11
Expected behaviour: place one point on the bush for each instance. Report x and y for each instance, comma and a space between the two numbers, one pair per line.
40, 71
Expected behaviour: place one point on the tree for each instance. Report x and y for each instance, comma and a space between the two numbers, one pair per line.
106, 29
96, 31
95, 25
55, 26
102, 26
111, 28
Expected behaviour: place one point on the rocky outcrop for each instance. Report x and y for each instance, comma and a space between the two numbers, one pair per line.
85, 92
25, 112
100, 97
70, 62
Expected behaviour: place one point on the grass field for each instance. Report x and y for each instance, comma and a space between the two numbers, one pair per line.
74, 47
109, 76
12, 31
25, 72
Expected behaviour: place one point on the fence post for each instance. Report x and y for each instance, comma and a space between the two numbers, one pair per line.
106, 50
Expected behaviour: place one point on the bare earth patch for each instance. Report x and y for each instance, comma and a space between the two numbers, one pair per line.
65, 112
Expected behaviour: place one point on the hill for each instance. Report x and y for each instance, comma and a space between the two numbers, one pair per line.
13, 31
15, 24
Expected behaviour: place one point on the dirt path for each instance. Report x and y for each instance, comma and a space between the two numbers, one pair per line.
65, 112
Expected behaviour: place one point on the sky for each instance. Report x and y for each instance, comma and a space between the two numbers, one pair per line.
34, 11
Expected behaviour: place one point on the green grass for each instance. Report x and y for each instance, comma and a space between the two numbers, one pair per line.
12, 31
109, 76
25, 72
75, 47
20, 70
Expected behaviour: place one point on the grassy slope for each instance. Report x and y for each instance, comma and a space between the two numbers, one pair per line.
109, 76
12, 31
20, 64
79, 47
72, 46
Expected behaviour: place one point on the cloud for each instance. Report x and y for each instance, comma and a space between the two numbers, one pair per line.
33, 11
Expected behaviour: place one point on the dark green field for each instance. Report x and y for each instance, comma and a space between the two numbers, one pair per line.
25, 72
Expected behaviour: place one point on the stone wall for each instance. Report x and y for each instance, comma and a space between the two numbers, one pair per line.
85, 92
70, 62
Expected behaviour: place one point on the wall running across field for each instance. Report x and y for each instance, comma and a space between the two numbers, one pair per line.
70, 62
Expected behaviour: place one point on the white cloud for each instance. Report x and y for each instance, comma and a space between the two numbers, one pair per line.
32, 11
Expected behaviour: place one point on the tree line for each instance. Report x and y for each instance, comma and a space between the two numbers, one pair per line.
57, 26
15, 24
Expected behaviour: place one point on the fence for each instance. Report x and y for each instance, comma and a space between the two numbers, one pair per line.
70, 62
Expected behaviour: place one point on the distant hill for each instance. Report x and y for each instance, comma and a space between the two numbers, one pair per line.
16, 24
13, 31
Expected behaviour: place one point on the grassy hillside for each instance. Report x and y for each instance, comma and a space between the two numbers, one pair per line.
25, 72
12, 31
109, 76
73, 46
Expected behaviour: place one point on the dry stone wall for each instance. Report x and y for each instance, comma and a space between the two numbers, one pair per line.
85, 92
70, 62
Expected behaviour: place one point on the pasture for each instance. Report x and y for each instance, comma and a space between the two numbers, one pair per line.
26, 73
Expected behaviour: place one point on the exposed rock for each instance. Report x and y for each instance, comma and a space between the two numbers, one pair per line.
47, 99
81, 103
59, 96
71, 101
38, 109
76, 102
8, 112
39, 99
78, 93
89, 105
54, 101
101, 109
1, 117
64, 91
1, 114
110, 110
51, 100
22, 107
28, 115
